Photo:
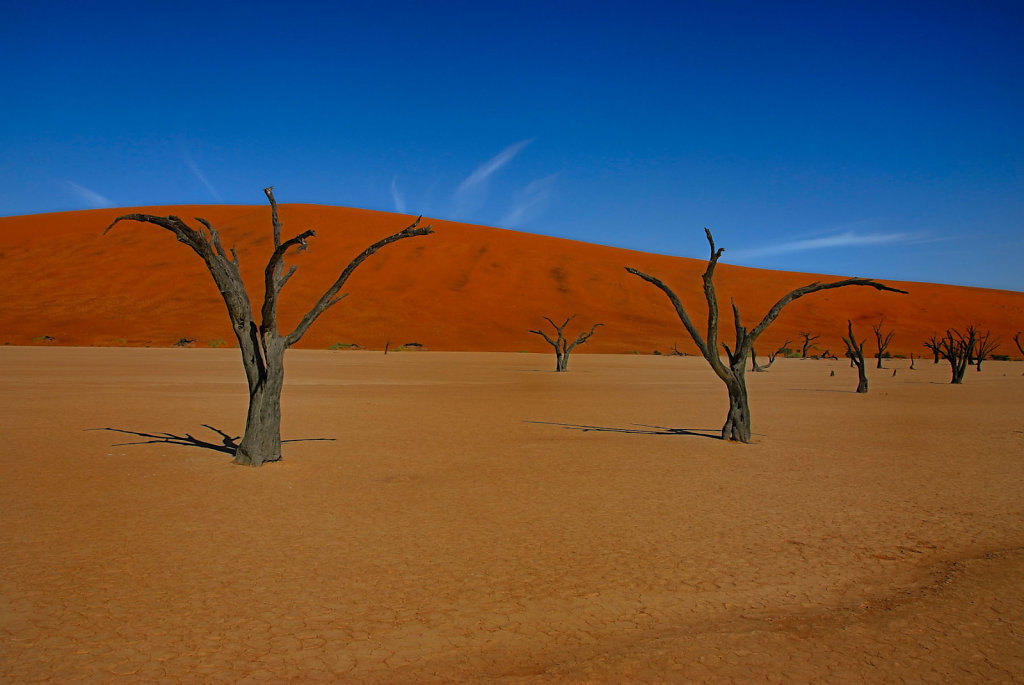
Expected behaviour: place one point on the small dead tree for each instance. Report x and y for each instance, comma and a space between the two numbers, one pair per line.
934, 343
855, 351
882, 340
261, 344
1017, 341
733, 371
561, 344
986, 345
809, 339
754, 366
958, 349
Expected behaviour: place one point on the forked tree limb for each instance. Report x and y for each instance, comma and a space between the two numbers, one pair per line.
330, 296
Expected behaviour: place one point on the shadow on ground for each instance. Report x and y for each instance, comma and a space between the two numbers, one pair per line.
227, 444
639, 429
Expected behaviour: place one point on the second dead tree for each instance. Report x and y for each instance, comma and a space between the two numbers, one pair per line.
561, 344
958, 349
855, 351
732, 372
985, 346
809, 339
754, 366
882, 340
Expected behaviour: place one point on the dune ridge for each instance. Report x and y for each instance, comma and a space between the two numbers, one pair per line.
465, 288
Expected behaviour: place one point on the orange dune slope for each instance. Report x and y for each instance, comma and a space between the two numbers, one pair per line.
463, 288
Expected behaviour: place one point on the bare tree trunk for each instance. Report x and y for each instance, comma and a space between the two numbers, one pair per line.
855, 351
737, 421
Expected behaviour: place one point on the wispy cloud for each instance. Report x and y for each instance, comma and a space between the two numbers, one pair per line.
844, 239
89, 197
488, 168
397, 196
202, 177
530, 201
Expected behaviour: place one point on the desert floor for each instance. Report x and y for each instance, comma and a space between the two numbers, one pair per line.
446, 517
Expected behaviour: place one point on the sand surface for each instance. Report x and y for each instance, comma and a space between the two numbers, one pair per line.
474, 517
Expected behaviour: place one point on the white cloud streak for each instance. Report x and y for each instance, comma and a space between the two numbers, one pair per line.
397, 196
488, 168
530, 201
202, 178
89, 197
845, 239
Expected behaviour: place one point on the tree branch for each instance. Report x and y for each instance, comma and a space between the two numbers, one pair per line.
680, 310
328, 298
776, 309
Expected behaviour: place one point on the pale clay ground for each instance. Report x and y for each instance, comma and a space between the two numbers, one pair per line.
457, 521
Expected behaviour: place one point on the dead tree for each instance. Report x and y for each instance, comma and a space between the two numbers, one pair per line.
957, 349
261, 344
934, 343
754, 366
561, 344
855, 351
985, 346
809, 339
733, 372
882, 340
1018, 342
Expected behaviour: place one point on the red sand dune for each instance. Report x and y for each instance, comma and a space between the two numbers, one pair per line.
466, 287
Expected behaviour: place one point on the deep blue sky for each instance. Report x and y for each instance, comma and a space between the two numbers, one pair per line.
874, 139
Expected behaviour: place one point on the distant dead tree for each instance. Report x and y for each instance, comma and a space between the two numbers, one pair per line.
733, 373
985, 346
561, 344
911, 361
882, 340
958, 349
855, 351
261, 344
676, 352
809, 339
1020, 345
754, 366
934, 343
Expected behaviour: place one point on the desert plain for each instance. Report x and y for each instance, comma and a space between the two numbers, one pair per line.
474, 517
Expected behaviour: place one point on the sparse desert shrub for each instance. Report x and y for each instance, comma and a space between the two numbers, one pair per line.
44, 339
184, 342
345, 346
1001, 357
219, 342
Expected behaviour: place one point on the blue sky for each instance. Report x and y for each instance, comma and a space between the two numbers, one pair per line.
872, 139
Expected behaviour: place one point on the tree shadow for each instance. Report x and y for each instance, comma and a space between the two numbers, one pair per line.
227, 445
640, 429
